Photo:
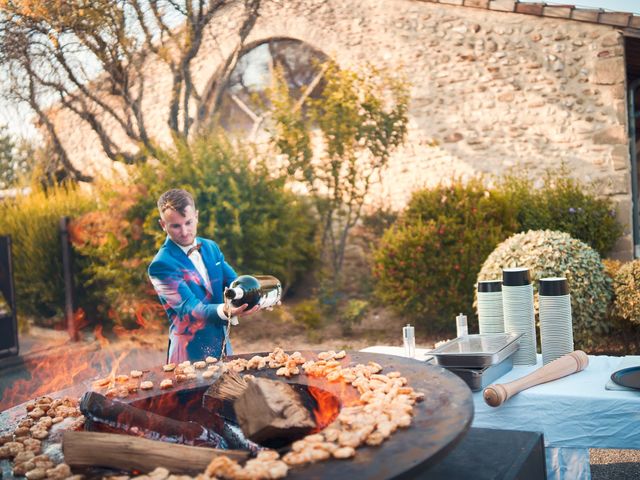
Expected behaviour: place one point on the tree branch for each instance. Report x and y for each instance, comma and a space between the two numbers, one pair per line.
251, 16
63, 157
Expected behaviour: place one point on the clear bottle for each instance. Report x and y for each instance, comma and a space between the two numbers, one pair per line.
263, 290
462, 328
409, 341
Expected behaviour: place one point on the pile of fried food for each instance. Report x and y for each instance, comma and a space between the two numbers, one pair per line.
386, 404
24, 445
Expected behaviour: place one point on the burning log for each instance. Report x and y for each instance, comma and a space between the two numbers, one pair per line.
117, 417
269, 411
129, 453
221, 394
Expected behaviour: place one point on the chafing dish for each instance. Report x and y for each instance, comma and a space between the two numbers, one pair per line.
476, 351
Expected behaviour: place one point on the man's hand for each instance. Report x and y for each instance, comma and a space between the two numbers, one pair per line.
240, 311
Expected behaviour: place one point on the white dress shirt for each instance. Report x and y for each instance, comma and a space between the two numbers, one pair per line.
196, 259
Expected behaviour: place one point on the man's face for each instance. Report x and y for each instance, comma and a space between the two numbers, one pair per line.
181, 229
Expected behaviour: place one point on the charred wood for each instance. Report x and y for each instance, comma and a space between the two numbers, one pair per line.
104, 414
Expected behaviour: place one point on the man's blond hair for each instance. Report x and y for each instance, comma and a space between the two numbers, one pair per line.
175, 199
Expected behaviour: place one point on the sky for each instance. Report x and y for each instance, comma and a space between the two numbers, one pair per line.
615, 5
17, 119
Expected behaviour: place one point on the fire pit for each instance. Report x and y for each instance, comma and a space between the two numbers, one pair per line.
438, 422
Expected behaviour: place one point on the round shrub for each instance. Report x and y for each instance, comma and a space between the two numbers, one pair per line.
549, 253
626, 286
611, 267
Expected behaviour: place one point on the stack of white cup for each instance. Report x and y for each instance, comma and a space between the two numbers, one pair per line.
556, 323
519, 316
490, 317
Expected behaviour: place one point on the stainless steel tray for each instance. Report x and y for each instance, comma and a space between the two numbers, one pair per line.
479, 378
476, 351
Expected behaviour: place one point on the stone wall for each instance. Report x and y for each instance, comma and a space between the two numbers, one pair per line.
491, 91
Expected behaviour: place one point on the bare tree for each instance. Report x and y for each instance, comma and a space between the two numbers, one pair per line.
89, 58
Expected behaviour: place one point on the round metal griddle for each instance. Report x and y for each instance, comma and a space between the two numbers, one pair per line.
439, 422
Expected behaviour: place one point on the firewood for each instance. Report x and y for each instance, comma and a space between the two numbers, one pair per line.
228, 386
104, 414
270, 410
126, 452
220, 395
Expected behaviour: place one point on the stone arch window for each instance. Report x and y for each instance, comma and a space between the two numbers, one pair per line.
243, 105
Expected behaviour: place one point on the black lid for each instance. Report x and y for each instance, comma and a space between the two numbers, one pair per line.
553, 287
488, 286
515, 277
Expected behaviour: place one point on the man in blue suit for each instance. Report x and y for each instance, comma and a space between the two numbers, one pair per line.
189, 275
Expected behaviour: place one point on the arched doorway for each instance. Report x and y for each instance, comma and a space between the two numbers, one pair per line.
243, 103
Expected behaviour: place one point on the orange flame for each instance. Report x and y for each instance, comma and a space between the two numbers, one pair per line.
147, 313
328, 407
77, 365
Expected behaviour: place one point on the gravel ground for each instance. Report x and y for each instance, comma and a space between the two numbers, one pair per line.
614, 464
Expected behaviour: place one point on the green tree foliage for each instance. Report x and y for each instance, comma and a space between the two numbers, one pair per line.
338, 144
93, 58
33, 221
426, 264
113, 253
15, 157
259, 224
567, 205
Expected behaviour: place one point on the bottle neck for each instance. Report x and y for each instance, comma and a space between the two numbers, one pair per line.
234, 293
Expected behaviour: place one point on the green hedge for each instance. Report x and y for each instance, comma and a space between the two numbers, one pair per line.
113, 252
566, 205
260, 225
426, 263
33, 222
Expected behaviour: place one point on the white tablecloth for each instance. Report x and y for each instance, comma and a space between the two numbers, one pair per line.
575, 413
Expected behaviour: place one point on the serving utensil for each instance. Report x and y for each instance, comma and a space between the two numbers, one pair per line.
498, 393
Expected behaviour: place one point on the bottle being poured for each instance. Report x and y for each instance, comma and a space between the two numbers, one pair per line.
262, 290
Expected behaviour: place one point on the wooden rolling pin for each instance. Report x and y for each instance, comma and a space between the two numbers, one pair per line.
496, 394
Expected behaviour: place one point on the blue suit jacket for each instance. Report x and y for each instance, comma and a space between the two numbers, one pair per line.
196, 330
